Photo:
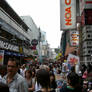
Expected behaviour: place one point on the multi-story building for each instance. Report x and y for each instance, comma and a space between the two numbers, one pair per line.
14, 39
33, 33
43, 46
69, 17
39, 35
86, 31
84, 27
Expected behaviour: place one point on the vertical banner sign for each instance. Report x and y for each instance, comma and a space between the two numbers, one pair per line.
74, 38
1, 56
67, 14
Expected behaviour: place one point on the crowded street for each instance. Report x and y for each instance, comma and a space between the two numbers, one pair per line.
46, 45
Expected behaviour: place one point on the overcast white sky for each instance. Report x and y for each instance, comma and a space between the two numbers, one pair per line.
46, 15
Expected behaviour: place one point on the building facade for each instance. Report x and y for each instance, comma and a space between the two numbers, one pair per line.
14, 39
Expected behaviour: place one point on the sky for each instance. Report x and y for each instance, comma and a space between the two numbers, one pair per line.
45, 14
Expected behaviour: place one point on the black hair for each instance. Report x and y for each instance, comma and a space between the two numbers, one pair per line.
14, 60
73, 69
43, 78
73, 79
53, 83
52, 74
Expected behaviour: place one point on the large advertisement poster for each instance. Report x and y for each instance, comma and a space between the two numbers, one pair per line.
67, 14
73, 60
1, 56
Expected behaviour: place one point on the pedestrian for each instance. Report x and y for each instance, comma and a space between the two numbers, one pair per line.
53, 84
85, 86
30, 80
43, 78
14, 80
72, 83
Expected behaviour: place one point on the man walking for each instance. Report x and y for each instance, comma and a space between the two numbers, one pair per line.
14, 80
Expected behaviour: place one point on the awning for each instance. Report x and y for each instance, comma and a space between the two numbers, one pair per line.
13, 53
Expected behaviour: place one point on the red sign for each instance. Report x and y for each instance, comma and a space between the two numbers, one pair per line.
85, 4
88, 2
86, 17
33, 47
68, 13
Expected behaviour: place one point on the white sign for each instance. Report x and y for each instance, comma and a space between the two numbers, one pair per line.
72, 59
67, 14
1, 56
9, 46
74, 38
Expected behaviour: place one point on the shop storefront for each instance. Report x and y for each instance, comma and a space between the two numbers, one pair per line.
9, 50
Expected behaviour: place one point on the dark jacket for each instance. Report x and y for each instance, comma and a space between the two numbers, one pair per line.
67, 89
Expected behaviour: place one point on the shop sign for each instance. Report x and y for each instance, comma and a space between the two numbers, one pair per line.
85, 4
67, 14
1, 56
74, 38
8, 46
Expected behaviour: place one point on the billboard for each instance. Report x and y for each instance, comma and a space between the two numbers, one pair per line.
67, 14
74, 38
73, 59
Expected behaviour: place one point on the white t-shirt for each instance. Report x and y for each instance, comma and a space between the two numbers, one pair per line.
0, 78
37, 87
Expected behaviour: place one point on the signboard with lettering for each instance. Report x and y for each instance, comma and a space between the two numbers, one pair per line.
8, 46
74, 38
67, 14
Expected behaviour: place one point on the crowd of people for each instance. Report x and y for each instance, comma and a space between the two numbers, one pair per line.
41, 78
